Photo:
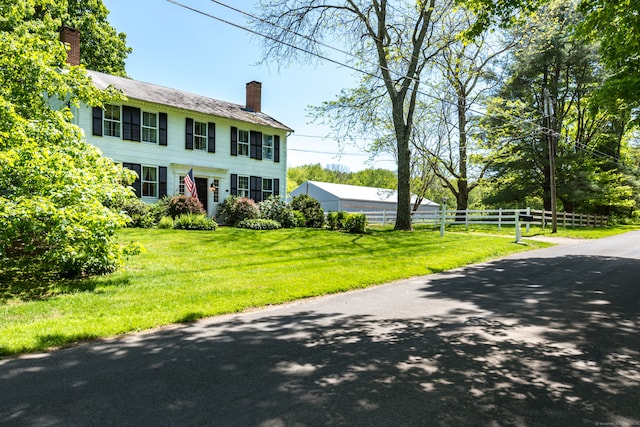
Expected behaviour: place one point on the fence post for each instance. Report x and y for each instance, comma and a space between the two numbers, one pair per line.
444, 215
518, 231
499, 219
528, 223
466, 218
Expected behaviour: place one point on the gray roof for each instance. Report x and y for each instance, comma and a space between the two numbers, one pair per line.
134, 89
356, 192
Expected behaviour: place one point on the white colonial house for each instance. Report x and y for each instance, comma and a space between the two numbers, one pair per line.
162, 133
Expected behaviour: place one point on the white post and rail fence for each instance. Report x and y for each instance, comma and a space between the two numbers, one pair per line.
498, 217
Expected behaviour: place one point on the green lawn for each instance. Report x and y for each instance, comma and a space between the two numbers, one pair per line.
186, 275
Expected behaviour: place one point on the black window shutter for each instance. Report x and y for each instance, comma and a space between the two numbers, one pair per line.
162, 181
97, 121
130, 123
276, 187
162, 129
137, 184
256, 145
188, 139
276, 148
234, 184
255, 188
234, 141
211, 137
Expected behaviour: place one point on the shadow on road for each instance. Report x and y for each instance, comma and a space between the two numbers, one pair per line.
525, 347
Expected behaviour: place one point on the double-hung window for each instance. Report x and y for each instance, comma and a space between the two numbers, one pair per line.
149, 127
112, 120
199, 136
243, 143
149, 181
243, 186
267, 147
267, 188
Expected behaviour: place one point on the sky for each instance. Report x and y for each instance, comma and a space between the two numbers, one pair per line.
179, 48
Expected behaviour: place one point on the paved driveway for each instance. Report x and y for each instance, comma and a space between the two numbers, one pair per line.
550, 337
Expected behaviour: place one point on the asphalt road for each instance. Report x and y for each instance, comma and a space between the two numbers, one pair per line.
549, 337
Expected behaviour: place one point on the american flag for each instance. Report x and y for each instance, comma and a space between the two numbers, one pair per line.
190, 184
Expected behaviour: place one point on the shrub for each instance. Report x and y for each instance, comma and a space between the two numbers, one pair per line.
275, 208
336, 220
181, 205
299, 219
159, 209
259, 224
194, 222
165, 223
356, 223
310, 207
137, 211
235, 209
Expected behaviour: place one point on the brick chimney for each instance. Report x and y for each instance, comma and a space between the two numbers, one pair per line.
71, 39
254, 96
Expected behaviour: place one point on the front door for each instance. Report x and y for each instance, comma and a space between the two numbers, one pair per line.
203, 192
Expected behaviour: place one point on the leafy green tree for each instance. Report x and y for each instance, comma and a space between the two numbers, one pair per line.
102, 47
393, 44
55, 188
549, 94
615, 24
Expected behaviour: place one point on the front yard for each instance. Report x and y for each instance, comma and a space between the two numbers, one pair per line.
186, 275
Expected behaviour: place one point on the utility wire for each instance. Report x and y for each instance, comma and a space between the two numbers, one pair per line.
350, 67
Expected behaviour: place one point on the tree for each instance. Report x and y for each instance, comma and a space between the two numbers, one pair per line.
102, 47
562, 71
615, 25
447, 131
392, 43
55, 188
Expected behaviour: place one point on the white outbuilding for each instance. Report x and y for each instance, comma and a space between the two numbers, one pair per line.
354, 198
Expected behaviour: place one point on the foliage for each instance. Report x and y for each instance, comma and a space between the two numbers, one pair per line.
349, 222
138, 213
54, 187
259, 224
166, 222
132, 249
275, 208
183, 205
159, 209
335, 220
557, 69
299, 219
615, 25
102, 47
356, 223
310, 208
235, 209
192, 221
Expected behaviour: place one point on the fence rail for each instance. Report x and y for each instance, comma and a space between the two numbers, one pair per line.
499, 217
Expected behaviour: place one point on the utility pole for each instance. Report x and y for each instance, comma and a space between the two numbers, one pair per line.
549, 115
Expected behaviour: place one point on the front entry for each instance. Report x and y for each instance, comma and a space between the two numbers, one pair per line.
203, 193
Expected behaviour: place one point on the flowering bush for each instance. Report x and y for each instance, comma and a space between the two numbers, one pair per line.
235, 209
259, 224
275, 208
181, 205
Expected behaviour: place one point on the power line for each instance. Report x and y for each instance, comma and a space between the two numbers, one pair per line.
350, 67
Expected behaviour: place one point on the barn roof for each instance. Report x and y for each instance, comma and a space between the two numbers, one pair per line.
135, 89
356, 192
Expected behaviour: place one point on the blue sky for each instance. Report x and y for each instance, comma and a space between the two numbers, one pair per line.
179, 48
